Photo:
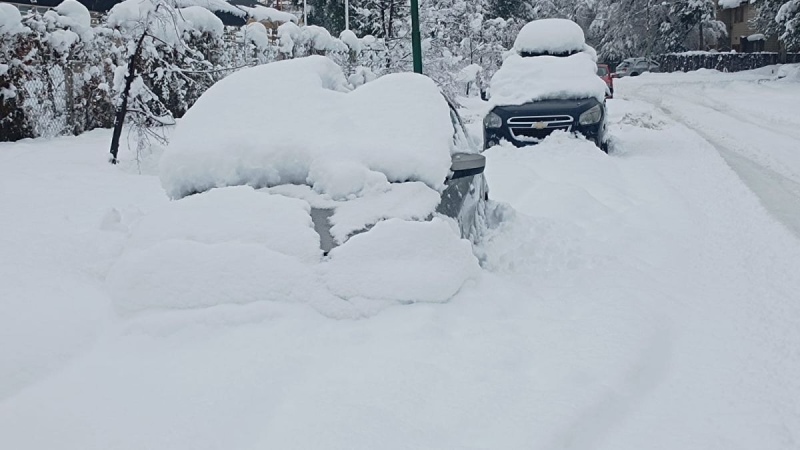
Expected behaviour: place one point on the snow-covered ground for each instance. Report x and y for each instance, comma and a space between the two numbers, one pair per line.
646, 299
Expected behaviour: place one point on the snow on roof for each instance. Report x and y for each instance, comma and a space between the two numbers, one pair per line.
551, 36
10, 19
202, 20
273, 124
526, 79
263, 13
728, 4
756, 37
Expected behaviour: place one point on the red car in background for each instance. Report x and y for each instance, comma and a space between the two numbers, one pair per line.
604, 72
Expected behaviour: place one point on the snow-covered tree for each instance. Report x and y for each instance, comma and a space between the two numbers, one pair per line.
788, 18
691, 25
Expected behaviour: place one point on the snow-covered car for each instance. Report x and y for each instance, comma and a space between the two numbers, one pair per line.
635, 67
549, 83
297, 129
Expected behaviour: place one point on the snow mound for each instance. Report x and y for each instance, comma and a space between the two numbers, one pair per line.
232, 245
402, 261
550, 36
74, 15
202, 20
10, 19
181, 274
272, 124
526, 79
236, 214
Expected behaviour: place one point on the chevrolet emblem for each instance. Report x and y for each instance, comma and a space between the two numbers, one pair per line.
540, 125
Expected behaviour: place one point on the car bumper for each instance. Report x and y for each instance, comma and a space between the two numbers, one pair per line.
522, 136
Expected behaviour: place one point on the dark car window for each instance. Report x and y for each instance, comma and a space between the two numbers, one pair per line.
602, 71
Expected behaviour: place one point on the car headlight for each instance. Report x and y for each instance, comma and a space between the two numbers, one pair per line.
591, 116
492, 120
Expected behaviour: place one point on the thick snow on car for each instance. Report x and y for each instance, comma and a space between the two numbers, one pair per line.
290, 186
549, 83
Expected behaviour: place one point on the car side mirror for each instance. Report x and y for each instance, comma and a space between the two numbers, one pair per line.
466, 164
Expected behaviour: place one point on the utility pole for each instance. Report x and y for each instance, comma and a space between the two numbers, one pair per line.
305, 13
416, 41
346, 14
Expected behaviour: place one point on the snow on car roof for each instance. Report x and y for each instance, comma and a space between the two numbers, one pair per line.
550, 36
521, 80
297, 122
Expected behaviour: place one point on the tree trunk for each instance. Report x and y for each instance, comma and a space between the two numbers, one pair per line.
122, 108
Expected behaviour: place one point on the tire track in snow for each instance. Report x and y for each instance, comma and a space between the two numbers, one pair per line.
778, 193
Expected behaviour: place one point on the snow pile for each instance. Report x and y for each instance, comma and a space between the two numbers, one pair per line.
550, 36
266, 14
526, 79
402, 261
10, 19
202, 20
756, 37
231, 245
273, 124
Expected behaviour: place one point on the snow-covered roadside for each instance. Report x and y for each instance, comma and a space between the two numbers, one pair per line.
641, 300
64, 217
749, 117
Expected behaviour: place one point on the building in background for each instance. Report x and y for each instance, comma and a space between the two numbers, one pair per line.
737, 15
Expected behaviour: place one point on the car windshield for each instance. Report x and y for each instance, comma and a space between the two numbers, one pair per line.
623, 65
602, 71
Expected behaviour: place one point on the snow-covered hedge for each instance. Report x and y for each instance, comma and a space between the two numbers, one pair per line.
722, 61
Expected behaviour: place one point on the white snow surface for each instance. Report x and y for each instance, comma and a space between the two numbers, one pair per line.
75, 15
552, 36
263, 13
525, 79
646, 299
10, 19
202, 20
728, 4
339, 142
213, 5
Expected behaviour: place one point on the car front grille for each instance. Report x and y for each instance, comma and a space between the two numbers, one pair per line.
534, 128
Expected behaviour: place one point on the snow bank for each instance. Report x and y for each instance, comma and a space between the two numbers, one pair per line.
525, 79
402, 261
10, 19
272, 124
263, 13
202, 20
550, 36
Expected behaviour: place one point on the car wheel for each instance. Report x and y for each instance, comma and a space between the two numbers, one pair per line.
635, 74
